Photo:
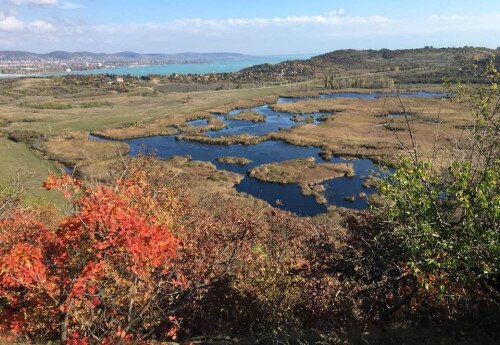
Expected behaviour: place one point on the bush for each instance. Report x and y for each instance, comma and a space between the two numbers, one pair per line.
117, 268
446, 218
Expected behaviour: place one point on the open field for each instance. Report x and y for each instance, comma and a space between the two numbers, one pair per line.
22, 167
120, 114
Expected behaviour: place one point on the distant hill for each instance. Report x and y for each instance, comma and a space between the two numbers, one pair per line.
416, 65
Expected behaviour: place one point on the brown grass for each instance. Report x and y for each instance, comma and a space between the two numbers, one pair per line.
75, 149
359, 127
234, 160
248, 115
242, 139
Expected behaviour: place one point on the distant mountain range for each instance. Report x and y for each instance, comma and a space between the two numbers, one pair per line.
122, 56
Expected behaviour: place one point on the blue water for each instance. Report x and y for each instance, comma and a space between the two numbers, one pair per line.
372, 95
289, 195
188, 68
275, 121
284, 196
396, 116
198, 123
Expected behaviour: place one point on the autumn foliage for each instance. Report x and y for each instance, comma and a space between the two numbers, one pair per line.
144, 260
101, 273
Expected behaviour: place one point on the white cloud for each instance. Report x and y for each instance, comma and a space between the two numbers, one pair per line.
40, 26
35, 2
66, 5
10, 23
330, 18
63, 5
468, 22
280, 34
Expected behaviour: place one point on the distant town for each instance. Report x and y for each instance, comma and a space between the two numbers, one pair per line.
26, 63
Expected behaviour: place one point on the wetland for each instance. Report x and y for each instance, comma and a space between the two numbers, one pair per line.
295, 178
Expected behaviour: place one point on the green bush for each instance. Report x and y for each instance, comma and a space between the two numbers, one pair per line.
447, 219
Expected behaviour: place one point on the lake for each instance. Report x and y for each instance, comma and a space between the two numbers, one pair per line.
168, 69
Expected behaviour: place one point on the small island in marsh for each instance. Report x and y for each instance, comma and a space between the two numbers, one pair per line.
247, 115
303, 171
234, 160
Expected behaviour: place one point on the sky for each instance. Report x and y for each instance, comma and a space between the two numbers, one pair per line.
259, 27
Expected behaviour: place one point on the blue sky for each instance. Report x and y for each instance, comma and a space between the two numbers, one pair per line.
246, 26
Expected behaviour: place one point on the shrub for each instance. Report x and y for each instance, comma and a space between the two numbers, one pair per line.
103, 272
117, 268
446, 219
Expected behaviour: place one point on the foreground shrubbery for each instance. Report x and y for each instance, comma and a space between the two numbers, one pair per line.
117, 268
140, 262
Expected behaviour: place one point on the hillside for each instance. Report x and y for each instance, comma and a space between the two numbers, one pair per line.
414, 65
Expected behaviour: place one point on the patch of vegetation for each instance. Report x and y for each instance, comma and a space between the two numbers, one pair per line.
349, 68
75, 149
95, 104
21, 168
372, 181
55, 105
443, 219
234, 160
32, 139
323, 118
304, 172
242, 139
4, 122
334, 83
395, 114
215, 124
248, 115
309, 119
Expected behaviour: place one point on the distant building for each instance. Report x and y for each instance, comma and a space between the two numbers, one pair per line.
119, 79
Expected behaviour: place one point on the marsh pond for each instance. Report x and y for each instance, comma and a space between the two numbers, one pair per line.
350, 190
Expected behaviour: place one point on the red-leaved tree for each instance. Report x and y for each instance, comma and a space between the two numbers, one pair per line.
105, 273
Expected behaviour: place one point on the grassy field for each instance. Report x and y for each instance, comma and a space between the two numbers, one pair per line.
22, 166
60, 111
